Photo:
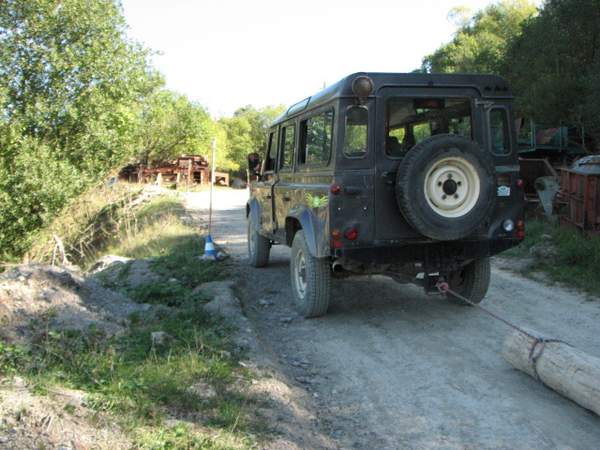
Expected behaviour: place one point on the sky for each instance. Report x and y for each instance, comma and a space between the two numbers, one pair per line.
226, 54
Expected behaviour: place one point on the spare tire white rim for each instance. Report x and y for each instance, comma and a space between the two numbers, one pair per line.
452, 187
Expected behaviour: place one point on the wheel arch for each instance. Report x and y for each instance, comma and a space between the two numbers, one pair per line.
292, 225
314, 231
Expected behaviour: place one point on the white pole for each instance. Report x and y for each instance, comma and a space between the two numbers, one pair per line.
212, 181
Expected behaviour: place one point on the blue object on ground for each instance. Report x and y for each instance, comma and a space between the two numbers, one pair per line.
209, 249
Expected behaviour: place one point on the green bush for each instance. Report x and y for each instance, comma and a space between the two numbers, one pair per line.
577, 256
70, 106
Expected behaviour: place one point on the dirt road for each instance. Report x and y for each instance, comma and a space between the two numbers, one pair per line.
389, 367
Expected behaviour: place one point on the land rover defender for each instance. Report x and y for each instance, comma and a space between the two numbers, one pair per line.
414, 176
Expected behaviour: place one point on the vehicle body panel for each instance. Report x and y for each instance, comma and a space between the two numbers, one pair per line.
301, 196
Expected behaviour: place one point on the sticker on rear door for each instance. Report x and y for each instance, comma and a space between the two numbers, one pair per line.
503, 191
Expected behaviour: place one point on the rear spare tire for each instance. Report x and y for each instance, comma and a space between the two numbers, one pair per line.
446, 187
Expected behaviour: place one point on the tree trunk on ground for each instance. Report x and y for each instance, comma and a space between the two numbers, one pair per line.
568, 371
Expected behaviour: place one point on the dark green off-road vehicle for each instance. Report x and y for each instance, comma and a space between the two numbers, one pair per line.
414, 176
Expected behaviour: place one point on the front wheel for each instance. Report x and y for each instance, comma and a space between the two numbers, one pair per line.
471, 281
259, 246
311, 279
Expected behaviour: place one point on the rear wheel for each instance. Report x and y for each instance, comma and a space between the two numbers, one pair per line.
471, 281
258, 246
311, 279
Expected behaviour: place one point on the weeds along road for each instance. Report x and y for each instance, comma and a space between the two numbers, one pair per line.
389, 367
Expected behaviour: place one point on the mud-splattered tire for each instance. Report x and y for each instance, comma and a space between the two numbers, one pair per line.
472, 282
311, 279
259, 246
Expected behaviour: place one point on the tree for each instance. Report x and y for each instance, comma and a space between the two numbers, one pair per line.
480, 43
246, 132
554, 65
71, 89
171, 125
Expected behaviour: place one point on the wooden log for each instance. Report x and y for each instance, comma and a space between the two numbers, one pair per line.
570, 372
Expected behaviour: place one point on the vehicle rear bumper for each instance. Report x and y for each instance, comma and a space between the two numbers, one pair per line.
432, 253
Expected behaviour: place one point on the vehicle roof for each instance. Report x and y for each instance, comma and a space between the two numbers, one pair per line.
489, 86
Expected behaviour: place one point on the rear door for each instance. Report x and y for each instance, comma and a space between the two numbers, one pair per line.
403, 120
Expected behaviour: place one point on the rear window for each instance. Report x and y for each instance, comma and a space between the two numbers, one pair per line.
499, 132
316, 136
356, 131
411, 120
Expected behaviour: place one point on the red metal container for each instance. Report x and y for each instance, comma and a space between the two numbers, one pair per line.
580, 194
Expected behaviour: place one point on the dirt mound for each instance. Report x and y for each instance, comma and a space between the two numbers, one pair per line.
57, 420
63, 298
59, 299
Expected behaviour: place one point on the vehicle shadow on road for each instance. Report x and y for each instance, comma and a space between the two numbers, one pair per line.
382, 295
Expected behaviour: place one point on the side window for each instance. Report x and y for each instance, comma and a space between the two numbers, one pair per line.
288, 139
316, 137
356, 131
269, 164
499, 131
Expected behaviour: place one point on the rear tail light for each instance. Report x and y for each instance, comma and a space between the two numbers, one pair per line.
520, 183
336, 238
520, 229
351, 234
335, 189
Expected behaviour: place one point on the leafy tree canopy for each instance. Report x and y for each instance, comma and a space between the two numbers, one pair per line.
554, 64
480, 43
71, 89
172, 125
246, 131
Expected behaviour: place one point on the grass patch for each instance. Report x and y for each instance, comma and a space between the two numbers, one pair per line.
181, 437
173, 249
160, 207
141, 383
138, 382
575, 260
87, 224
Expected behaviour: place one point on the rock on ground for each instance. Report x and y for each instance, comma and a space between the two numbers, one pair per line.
224, 303
125, 272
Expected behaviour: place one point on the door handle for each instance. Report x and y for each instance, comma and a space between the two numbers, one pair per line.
268, 196
286, 199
